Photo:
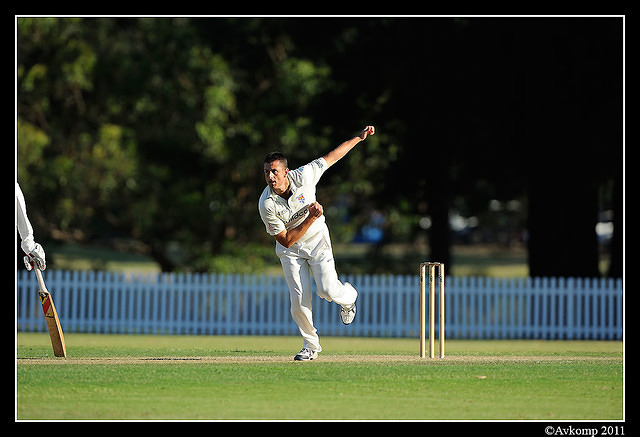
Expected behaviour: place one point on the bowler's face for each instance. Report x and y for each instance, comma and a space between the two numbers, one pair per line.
275, 173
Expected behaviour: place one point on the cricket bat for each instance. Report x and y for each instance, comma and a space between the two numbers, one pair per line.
51, 316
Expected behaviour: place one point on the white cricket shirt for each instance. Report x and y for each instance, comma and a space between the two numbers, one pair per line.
279, 214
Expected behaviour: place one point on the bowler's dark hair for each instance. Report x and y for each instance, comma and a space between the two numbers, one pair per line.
276, 156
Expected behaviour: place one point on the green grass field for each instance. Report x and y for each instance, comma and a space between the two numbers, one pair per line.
114, 377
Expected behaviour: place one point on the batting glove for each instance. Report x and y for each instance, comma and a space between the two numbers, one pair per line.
35, 258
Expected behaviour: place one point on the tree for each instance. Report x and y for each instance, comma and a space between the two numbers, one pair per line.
154, 129
147, 133
571, 115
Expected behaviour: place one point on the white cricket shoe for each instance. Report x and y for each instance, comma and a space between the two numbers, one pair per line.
348, 314
306, 354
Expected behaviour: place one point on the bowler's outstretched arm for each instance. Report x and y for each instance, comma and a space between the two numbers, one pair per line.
336, 154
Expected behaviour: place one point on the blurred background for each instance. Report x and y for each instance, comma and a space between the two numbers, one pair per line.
498, 148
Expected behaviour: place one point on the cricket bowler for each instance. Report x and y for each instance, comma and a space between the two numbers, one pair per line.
291, 214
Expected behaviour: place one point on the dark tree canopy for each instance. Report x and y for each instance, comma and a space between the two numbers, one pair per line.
153, 130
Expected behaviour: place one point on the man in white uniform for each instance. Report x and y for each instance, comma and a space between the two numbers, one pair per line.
292, 216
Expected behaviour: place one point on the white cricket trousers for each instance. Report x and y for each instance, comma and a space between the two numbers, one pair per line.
314, 253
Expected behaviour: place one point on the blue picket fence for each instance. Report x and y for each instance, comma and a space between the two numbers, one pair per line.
236, 304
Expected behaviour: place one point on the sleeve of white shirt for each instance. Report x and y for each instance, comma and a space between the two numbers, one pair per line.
272, 223
313, 171
22, 221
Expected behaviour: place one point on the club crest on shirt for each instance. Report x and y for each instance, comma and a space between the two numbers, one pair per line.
300, 198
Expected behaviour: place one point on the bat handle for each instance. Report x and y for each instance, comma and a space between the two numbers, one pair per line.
40, 279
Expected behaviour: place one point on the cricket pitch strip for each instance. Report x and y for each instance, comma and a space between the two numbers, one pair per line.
323, 358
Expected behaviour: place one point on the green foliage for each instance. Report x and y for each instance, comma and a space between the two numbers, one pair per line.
154, 129
136, 127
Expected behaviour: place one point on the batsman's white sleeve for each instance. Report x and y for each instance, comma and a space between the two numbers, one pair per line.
22, 221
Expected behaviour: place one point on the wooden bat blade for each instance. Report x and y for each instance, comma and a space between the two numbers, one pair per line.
51, 316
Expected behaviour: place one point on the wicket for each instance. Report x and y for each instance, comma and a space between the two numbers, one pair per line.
431, 266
